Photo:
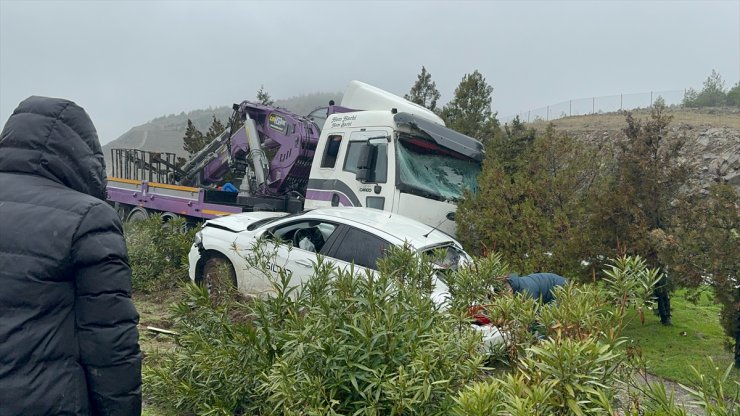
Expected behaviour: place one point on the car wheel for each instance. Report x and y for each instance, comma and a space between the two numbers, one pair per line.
219, 278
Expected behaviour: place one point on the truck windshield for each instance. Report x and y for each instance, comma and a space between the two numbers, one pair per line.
429, 170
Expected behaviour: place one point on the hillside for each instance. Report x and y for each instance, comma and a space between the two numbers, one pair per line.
164, 134
713, 133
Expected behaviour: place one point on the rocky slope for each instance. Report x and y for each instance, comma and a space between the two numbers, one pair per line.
713, 137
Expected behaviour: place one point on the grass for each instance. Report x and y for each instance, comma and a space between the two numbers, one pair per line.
694, 336
154, 311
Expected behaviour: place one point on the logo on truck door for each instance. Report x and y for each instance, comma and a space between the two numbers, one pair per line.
277, 122
343, 121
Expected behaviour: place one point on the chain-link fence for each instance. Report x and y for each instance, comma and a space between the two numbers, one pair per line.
594, 105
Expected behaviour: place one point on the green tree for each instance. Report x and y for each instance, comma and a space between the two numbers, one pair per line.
511, 148
263, 97
529, 203
638, 202
424, 91
215, 130
711, 95
194, 139
470, 112
702, 247
733, 95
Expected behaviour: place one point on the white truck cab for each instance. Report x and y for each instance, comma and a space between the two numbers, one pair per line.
395, 156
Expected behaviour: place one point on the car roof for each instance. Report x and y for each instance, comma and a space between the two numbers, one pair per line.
398, 227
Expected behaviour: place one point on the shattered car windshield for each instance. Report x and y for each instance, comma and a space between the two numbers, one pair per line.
429, 170
447, 257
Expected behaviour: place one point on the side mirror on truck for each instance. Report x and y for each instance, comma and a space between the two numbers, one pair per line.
366, 162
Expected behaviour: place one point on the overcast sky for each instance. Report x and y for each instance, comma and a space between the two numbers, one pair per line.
128, 62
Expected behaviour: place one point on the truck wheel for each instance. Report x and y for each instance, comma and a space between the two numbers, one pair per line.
219, 278
137, 214
167, 216
121, 210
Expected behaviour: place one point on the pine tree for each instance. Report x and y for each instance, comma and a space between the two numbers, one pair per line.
711, 95
703, 243
528, 206
263, 97
649, 175
215, 130
469, 112
424, 92
194, 139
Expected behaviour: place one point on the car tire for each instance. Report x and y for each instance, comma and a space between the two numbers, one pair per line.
219, 278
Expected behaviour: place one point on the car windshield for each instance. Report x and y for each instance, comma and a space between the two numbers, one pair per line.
446, 256
430, 170
259, 223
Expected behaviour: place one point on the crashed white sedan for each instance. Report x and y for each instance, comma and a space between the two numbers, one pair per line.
343, 236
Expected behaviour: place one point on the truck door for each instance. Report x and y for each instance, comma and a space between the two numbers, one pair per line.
365, 167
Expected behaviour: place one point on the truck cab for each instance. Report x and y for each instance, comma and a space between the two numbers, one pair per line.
400, 159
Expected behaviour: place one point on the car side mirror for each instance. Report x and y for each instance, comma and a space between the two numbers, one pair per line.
366, 162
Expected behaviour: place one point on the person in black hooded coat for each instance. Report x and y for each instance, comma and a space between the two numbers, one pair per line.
68, 338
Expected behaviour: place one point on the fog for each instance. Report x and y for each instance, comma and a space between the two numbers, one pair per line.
128, 62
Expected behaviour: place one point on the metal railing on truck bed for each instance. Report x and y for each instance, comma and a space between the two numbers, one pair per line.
142, 165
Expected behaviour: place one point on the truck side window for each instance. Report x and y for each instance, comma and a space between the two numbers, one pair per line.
331, 151
380, 173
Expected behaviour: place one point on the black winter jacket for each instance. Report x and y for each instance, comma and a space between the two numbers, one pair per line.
68, 337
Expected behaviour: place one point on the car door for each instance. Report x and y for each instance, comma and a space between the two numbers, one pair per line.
358, 247
290, 250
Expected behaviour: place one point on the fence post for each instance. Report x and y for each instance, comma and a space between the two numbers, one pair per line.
593, 105
570, 108
548, 113
528, 113
651, 98
620, 102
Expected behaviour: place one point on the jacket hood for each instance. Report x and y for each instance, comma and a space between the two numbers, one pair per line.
56, 139
515, 281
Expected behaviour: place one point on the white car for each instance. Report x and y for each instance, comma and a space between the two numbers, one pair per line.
343, 236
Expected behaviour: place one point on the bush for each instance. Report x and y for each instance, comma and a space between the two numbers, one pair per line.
372, 344
158, 252
340, 344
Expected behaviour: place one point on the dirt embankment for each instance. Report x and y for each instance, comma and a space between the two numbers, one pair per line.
713, 133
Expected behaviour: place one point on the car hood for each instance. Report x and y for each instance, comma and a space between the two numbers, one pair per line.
240, 222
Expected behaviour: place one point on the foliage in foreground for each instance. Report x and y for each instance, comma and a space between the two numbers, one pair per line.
158, 253
340, 343
376, 344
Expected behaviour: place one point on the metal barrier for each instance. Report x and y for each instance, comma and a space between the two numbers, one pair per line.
142, 165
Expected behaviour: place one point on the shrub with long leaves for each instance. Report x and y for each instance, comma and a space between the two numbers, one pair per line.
629, 282
581, 312
158, 252
342, 343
